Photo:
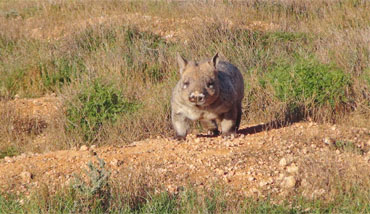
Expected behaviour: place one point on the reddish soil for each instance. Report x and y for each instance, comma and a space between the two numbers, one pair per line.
259, 161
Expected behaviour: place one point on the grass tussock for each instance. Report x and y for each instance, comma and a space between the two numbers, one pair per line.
139, 193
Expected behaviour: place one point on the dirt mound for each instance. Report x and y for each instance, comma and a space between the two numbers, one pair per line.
257, 162
32, 114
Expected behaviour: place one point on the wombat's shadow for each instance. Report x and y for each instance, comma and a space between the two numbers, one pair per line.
257, 128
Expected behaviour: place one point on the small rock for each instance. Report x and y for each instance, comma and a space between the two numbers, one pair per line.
172, 189
288, 182
283, 162
292, 169
84, 148
250, 178
280, 177
219, 172
368, 142
8, 159
328, 141
262, 183
197, 140
337, 152
21, 202
116, 162
318, 193
304, 183
254, 190
26, 176
93, 147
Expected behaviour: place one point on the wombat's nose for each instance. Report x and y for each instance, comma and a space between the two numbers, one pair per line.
196, 97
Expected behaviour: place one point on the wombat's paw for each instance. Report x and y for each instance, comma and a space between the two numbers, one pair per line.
229, 135
179, 138
213, 132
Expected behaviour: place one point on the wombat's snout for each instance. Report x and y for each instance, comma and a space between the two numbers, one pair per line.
196, 97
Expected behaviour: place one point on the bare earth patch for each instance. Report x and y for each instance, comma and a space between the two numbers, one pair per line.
302, 157
172, 29
31, 115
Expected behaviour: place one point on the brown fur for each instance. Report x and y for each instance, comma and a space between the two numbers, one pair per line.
209, 91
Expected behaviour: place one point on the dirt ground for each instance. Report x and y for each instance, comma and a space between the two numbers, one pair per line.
262, 160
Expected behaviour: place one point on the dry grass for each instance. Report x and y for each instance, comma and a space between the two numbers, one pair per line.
62, 46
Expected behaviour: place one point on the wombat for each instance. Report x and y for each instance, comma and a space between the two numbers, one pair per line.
210, 91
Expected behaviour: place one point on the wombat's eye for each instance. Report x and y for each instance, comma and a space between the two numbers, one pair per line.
210, 84
185, 84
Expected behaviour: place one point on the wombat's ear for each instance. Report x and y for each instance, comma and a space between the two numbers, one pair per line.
182, 62
215, 59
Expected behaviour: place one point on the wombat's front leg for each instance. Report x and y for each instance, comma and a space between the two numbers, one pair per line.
211, 126
181, 125
228, 122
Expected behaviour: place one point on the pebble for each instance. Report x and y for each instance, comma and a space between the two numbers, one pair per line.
8, 159
84, 148
292, 169
328, 141
116, 162
26, 176
254, 190
288, 182
283, 162
262, 183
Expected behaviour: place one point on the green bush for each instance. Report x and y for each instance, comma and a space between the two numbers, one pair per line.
308, 83
347, 146
11, 81
94, 194
61, 71
8, 151
94, 105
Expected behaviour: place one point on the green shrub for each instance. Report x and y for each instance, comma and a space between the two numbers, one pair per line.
61, 71
8, 151
11, 82
308, 83
94, 105
347, 146
94, 195
285, 37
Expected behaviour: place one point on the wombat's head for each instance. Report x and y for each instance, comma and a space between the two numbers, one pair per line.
199, 82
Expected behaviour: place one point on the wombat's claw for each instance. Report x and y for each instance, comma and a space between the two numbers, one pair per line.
229, 136
179, 138
213, 132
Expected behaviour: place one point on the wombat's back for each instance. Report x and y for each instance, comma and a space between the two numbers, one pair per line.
231, 80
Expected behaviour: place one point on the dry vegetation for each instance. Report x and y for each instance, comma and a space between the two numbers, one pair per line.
103, 71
